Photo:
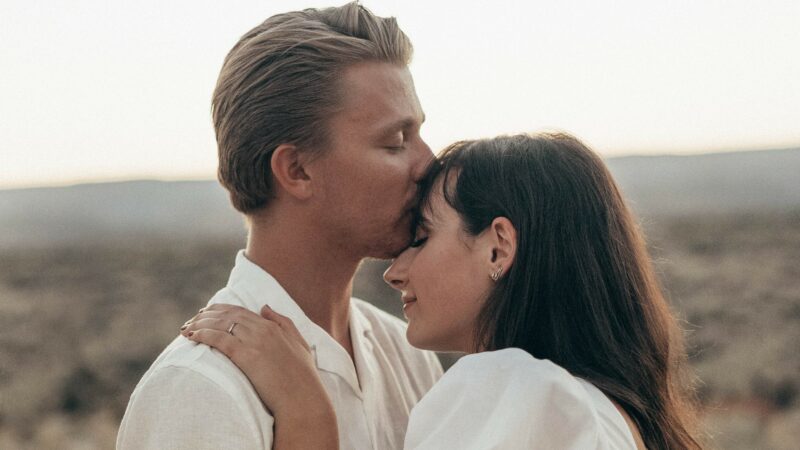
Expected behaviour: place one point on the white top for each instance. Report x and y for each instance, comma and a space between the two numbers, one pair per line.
508, 399
193, 397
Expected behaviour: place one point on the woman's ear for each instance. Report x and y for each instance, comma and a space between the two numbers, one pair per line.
289, 172
503, 237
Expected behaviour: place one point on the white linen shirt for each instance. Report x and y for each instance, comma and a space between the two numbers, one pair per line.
194, 397
507, 399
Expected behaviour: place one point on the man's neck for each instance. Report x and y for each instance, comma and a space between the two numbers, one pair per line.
317, 276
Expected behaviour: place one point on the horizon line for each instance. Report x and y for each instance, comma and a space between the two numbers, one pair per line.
210, 177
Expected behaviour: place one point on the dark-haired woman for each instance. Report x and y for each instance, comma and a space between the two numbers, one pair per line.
525, 258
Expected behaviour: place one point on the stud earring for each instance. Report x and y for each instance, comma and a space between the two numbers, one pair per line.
496, 274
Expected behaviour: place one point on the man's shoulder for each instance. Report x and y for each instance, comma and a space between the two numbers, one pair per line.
187, 362
193, 394
189, 359
184, 361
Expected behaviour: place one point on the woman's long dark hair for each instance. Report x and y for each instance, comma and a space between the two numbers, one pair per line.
581, 291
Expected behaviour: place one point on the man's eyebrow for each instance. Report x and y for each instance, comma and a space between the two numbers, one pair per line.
401, 124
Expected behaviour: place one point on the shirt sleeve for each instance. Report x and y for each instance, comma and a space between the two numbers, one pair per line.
178, 409
504, 400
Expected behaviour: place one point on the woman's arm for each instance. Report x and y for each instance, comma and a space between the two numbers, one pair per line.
307, 427
278, 362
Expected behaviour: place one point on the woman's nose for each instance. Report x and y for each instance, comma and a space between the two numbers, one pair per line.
396, 275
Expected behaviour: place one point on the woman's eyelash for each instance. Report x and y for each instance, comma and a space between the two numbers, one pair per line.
418, 242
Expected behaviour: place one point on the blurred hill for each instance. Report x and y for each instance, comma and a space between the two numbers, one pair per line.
126, 211
714, 183
721, 183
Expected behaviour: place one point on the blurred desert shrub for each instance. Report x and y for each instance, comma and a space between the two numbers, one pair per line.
735, 281
79, 325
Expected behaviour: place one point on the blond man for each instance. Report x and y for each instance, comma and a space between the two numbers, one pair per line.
318, 130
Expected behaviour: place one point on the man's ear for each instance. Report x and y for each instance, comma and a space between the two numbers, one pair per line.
503, 241
289, 172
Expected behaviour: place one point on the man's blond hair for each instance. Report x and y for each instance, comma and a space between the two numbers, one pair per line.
279, 85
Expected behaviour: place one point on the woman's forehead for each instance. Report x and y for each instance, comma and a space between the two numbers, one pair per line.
435, 207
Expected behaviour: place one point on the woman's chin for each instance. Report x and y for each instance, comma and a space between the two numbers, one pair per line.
415, 340
429, 343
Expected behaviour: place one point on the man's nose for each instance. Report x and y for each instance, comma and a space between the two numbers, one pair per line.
424, 158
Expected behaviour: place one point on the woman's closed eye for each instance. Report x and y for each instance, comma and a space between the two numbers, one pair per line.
421, 231
418, 242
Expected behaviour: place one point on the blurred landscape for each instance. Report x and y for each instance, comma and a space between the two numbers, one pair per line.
96, 279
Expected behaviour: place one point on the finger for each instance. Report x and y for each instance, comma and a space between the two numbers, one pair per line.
239, 329
219, 340
285, 323
200, 311
229, 312
222, 307
203, 314
270, 314
206, 314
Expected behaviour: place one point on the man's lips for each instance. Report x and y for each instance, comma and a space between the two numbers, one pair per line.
408, 301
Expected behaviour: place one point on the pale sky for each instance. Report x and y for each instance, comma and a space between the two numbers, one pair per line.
95, 90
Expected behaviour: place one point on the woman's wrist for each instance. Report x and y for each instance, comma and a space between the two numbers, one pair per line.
303, 393
301, 428
306, 417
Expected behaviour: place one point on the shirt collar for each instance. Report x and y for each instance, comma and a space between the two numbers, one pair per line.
256, 288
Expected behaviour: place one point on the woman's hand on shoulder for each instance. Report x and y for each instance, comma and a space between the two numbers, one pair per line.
270, 351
